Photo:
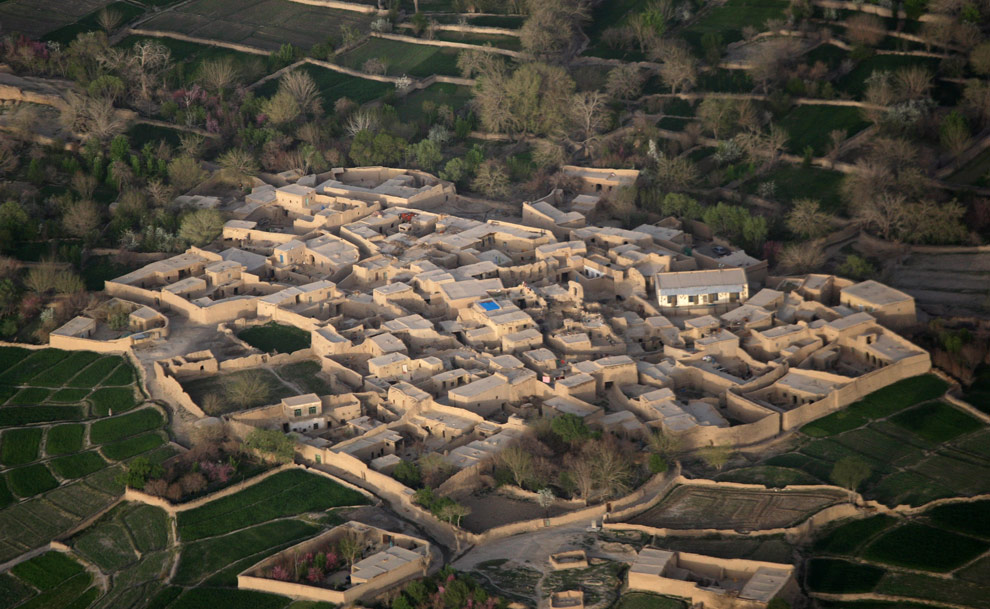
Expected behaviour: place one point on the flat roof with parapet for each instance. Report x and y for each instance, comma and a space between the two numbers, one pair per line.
765, 584
300, 400
700, 282
243, 224
844, 323
174, 263
576, 379
569, 406
765, 297
651, 561
409, 322
75, 326
489, 305
479, 386
746, 313
876, 293
541, 355
388, 358
296, 189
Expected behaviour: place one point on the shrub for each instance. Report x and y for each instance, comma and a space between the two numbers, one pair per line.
138, 472
272, 443
658, 465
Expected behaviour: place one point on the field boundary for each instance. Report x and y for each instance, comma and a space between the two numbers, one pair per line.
367, 9
448, 44
874, 596
233, 46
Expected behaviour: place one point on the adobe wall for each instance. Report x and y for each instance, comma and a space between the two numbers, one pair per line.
79, 343
344, 6
859, 388
132, 494
446, 43
173, 391
473, 29
243, 48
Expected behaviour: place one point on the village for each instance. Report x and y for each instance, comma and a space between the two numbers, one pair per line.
420, 337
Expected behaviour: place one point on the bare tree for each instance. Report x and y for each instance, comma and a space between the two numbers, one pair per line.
83, 184
237, 166
82, 218
770, 61
675, 172
679, 69
624, 81
912, 82
149, 61
803, 257
217, 75
835, 139
247, 390
185, 172
300, 85
582, 472
808, 220
717, 114
108, 19
865, 29
587, 111
886, 213
519, 463
611, 469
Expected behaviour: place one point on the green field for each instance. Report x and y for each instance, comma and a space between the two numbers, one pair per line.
606, 15
48, 570
969, 518
263, 24
335, 85
112, 400
841, 577
31, 480
854, 82
202, 558
118, 428
794, 182
125, 449
943, 550
730, 18
65, 35
14, 416
285, 494
410, 106
78, 465
417, 60
811, 125
937, 421
643, 600
19, 446
92, 375
916, 453
20, 372
60, 373
215, 598
847, 537
275, 338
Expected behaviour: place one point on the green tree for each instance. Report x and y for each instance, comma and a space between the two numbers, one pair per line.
570, 428
377, 149
856, 267
850, 472
15, 225
201, 226
185, 172
715, 456
139, 470
426, 153
408, 473
272, 443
